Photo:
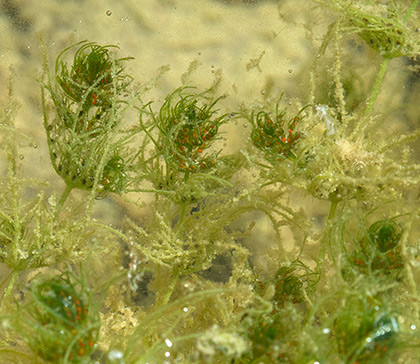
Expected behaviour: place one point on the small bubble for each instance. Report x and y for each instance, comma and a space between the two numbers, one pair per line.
21, 156
115, 354
167, 354
413, 327
168, 343
185, 309
326, 330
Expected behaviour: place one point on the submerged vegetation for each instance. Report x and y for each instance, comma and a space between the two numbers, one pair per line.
321, 184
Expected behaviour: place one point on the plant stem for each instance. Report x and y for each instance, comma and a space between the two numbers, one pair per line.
378, 83
326, 237
331, 214
171, 287
63, 198
409, 272
410, 10
9, 288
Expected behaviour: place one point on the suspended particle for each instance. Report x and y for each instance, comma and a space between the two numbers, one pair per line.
109, 12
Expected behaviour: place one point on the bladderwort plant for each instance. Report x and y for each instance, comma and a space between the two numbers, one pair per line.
299, 246
60, 322
82, 132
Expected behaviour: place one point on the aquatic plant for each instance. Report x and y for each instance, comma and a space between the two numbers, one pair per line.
59, 322
299, 244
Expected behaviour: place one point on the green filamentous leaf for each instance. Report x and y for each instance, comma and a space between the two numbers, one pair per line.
60, 323
189, 126
365, 330
81, 132
384, 35
378, 252
276, 136
94, 77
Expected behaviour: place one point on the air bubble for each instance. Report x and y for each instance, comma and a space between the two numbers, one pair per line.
115, 354
413, 327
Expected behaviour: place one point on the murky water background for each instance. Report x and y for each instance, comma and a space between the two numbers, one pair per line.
257, 48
